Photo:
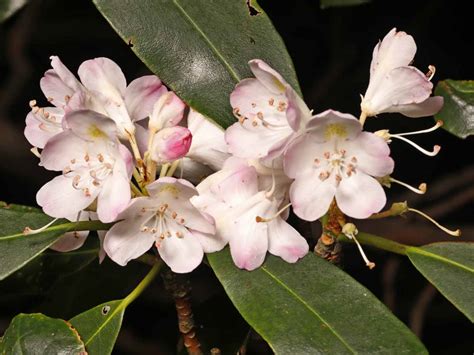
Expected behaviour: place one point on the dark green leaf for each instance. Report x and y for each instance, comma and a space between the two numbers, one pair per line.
18, 248
450, 268
36, 334
9, 7
99, 326
458, 110
200, 48
312, 307
336, 3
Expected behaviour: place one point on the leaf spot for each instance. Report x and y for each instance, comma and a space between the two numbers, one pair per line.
105, 310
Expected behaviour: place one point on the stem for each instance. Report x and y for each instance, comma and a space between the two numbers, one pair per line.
328, 246
173, 168
179, 287
362, 118
378, 242
143, 284
164, 169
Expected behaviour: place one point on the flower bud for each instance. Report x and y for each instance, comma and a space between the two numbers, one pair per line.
167, 112
170, 144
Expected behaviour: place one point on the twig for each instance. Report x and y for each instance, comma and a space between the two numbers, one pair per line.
328, 246
179, 287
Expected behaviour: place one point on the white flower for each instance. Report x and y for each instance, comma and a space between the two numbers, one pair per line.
167, 219
94, 166
394, 85
269, 113
336, 159
246, 217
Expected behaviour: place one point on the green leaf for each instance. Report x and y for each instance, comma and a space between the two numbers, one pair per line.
99, 326
200, 48
9, 7
458, 110
36, 334
450, 268
18, 248
338, 3
312, 307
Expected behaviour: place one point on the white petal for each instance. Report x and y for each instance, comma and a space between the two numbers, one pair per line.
91, 126
141, 94
360, 196
61, 149
285, 241
70, 241
38, 131
60, 199
167, 111
429, 107
113, 198
332, 124
181, 254
210, 242
310, 197
268, 76
299, 158
297, 112
103, 75
124, 241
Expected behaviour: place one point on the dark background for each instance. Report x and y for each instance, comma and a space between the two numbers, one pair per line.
331, 50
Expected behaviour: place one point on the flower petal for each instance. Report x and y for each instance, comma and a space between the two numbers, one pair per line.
104, 76
297, 110
332, 124
60, 199
141, 94
311, 197
124, 241
91, 126
70, 241
167, 111
285, 241
114, 197
372, 153
429, 107
299, 157
182, 254
61, 149
210, 242
268, 76
360, 195
38, 130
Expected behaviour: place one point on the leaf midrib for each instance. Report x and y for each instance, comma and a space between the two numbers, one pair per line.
432, 255
313, 311
221, 58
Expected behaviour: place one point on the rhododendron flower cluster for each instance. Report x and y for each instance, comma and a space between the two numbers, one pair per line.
130, 154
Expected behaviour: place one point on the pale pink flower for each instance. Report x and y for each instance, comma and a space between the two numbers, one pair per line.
269, 113
336, 159
246, 217
394, 85
167, 219
94, 166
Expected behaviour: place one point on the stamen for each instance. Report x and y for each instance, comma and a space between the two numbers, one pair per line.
35, 151
438, 124
32, 103
350, 231
435, 151
259, 219
455, 233
28, 230
431, 72
269, 194
420, 190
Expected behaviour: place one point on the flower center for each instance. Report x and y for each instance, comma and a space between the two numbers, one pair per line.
337, 164
90, 172
162, 223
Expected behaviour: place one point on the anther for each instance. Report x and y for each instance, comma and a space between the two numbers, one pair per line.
324, 175
253, 104
100, 157
271, 101
260, 115
28, 230
87, 157
174, 215
431, 72
32, 103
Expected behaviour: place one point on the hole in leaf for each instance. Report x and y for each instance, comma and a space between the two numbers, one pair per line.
105, 310
130, 43
252, 10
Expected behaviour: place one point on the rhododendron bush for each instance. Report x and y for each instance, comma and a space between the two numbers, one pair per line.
214, 160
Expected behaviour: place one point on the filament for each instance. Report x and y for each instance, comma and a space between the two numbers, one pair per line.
259, 219
28, 230
435, 150
420, 190
455, 233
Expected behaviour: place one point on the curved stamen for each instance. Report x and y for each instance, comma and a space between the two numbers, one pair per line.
435, 151
420, 190
350, 232
455, 233
28, 230
438, 124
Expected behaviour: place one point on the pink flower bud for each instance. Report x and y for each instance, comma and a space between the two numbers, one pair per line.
170, 144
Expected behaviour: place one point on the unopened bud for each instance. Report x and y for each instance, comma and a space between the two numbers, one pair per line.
170, 144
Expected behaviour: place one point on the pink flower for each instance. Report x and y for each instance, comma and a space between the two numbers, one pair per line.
336, 159
394, 85
248, 218
269, 113
94, 166
167, 219
170, 144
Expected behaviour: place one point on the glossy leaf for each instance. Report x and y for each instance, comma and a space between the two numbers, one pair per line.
99, 326
16, 248
458, 110
312, 307
450, 268
200, 48
338, 3
9, 7
36, 334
